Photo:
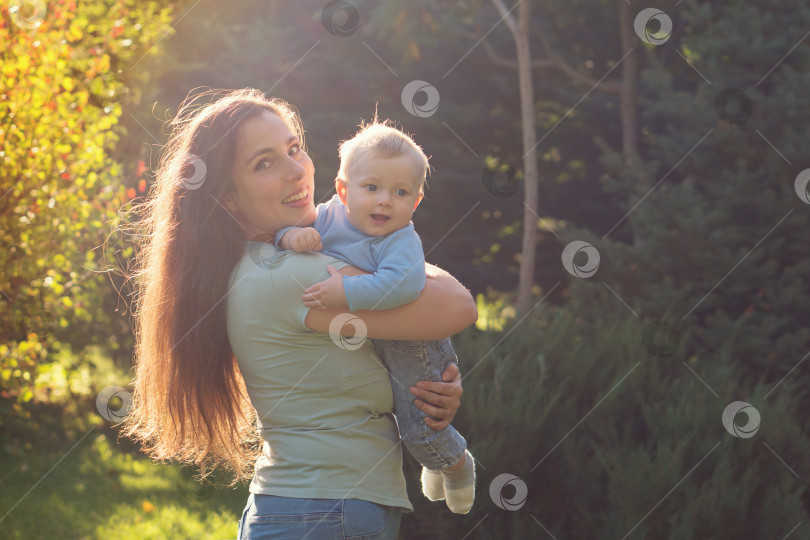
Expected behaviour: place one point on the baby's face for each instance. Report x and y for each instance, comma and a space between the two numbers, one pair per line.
382, 193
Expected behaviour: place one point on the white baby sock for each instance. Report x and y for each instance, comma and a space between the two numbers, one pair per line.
459, 486
432, 484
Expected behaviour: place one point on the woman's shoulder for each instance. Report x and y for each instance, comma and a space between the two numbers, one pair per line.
261, 258
267, 284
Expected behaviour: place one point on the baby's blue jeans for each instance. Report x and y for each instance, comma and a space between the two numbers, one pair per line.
409, 362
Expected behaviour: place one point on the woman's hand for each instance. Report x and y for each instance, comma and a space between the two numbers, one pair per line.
440, 399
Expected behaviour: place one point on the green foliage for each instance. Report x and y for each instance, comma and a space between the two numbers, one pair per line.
601, 431
61, 87
719, 241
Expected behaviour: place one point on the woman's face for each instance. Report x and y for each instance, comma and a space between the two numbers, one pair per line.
273, 178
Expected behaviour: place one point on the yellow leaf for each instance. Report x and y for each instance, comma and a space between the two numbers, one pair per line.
67, 84
74, 33
413, 50
146, 506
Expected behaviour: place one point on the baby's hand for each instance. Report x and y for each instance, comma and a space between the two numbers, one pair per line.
301, 239
326, 294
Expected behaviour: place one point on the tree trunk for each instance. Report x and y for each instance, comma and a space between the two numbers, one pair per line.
530, 180
629, 112
628, 99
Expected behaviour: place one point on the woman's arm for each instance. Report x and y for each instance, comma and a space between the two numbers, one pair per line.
445, 307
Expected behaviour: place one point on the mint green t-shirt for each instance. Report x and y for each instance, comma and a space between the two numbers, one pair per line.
325, 412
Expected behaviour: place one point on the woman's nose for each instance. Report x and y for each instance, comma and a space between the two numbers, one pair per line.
295, 170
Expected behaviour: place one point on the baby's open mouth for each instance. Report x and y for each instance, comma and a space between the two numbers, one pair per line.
379, 217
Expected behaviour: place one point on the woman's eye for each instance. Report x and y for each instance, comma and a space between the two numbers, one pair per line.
371, 187
260, 165
294, 149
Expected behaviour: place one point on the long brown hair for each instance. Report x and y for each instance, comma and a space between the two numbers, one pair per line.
189, 402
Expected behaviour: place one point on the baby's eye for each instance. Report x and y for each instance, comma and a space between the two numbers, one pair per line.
260, 167
371, 187
402, 192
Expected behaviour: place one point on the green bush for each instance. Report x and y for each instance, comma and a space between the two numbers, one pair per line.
62, 84
611, 439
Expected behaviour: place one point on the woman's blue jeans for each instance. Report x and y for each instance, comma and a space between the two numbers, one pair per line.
288, 518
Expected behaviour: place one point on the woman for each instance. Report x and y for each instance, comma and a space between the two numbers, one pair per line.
307, 414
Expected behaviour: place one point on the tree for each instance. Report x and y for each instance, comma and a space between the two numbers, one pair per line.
723, 254
566, 75
64, 76
520, 33
626, 90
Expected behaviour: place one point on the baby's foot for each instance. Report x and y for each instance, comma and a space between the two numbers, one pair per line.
432, 484
459, 485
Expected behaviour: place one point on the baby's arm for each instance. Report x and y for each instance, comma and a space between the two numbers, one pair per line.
300, 239
305, 238
398, 280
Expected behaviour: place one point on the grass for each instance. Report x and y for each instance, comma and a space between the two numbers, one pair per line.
63, 474
100, 491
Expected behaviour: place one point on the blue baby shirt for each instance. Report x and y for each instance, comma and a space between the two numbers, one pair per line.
397, 260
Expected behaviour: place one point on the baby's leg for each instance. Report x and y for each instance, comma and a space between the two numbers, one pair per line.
409, 362
438, 451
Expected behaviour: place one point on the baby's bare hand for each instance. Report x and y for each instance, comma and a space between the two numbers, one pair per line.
326, 294
303, 239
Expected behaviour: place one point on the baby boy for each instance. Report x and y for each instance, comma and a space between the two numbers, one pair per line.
368, 224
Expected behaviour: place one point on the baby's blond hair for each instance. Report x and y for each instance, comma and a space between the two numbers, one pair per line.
382, 140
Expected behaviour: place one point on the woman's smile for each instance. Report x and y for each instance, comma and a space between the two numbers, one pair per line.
299, 198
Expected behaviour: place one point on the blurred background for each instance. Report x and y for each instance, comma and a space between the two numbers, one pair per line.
622, 186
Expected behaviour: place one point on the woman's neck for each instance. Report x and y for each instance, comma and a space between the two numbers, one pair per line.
250, 231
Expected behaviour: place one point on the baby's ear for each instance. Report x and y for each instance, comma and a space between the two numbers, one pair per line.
340, 187
418, 200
